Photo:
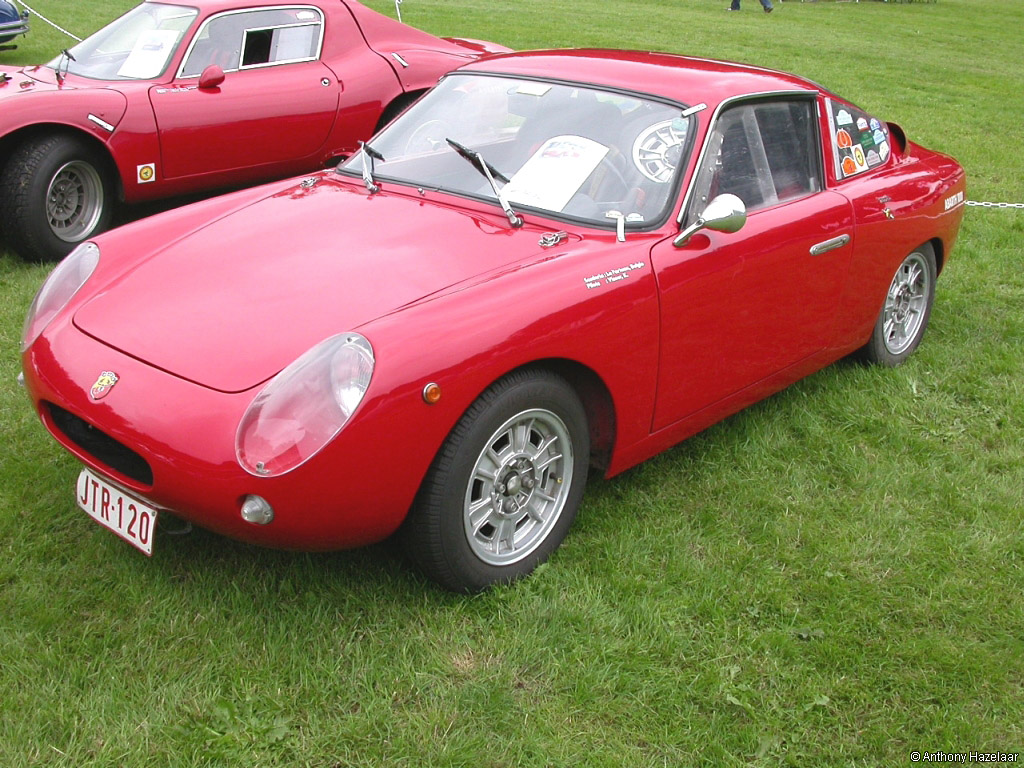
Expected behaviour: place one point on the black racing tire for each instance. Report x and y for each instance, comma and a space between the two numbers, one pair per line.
55, 192
905, 312
504, 489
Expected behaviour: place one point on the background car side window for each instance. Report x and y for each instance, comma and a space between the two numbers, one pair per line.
764, 153
256, 38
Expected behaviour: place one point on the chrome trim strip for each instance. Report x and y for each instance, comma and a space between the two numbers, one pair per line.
400, 60
829, 245
101, 123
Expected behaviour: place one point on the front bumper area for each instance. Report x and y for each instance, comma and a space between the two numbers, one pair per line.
183, 434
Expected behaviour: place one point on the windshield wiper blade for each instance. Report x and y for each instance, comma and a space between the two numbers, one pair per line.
371, 155
489, 172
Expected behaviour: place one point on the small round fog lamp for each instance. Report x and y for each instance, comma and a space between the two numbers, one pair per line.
257, 510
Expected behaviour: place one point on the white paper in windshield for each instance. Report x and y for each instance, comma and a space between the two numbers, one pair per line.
150, 54
555, 173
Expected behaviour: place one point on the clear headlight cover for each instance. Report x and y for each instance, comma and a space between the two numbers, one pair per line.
62, 284
305, 406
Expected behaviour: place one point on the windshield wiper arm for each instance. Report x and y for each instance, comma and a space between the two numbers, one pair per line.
371, 155
489, 172
66, 58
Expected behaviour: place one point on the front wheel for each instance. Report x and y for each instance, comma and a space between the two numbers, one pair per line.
905, 313
55, 192
504, 489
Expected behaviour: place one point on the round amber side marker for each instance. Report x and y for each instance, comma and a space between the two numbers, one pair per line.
431, 393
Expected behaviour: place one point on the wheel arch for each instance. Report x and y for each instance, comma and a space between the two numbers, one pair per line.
398, 105
14, 139
594, 395
938, 248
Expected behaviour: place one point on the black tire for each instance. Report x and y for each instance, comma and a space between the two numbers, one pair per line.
468, 532
55, 192
904, 315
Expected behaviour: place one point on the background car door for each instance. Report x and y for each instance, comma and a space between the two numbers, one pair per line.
276, 104
737, 308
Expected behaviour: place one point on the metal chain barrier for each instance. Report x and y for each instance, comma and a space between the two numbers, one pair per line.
58, 28
995, 205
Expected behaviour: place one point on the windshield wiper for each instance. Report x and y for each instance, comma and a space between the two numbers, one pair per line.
65, 58
371, 155
490, 173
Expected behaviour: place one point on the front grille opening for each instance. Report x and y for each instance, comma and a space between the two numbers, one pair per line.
100, 446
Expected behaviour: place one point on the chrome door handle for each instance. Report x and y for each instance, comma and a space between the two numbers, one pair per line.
829, 245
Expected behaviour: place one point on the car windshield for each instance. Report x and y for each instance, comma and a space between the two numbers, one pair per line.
573, 151
136, 46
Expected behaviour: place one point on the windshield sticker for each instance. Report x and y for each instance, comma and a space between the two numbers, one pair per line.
150, 54
555, 172
862, 142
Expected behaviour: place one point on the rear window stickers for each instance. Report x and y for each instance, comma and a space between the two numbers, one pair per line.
859, 142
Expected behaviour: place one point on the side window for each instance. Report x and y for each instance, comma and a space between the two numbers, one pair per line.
859, 142
239, 40
763, 152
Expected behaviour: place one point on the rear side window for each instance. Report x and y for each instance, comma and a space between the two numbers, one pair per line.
255, 38
763, 152
859, 142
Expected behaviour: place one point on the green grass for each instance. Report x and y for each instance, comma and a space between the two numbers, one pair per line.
830, 578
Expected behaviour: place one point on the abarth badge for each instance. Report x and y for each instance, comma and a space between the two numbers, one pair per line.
103, 385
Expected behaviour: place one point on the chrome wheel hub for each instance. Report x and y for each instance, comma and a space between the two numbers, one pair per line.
905, 304
74, 201
518, 487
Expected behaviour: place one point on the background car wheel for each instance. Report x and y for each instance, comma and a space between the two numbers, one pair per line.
905, 313
505, 486
55, 192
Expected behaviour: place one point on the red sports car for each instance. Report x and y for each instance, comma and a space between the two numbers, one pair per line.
175, 98
553, 261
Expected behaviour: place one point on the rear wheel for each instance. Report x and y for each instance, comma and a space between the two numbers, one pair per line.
505, 487
905, 313
55, 192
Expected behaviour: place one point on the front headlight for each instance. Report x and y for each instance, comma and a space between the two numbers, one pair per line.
304, 406
62, 284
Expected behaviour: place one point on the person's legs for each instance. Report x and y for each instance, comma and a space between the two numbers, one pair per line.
767, 4
735, 5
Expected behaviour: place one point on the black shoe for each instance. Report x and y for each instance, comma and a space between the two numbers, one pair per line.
768, 10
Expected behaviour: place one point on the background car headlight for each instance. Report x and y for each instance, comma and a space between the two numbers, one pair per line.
63, 283
304, 406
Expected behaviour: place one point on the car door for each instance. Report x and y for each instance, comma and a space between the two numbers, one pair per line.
277, 103
738, 308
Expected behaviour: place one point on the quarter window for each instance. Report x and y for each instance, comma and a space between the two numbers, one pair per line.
763, 152
859, 142
241, 40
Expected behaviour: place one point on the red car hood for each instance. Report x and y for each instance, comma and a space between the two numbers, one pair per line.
237, 299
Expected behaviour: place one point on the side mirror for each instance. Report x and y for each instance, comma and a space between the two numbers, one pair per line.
212, 77
726, 213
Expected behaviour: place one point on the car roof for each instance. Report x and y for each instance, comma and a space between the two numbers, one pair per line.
215, 6
684, 79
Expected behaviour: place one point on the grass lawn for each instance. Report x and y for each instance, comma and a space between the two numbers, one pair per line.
830, 578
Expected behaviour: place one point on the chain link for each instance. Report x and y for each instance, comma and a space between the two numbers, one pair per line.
995, 205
